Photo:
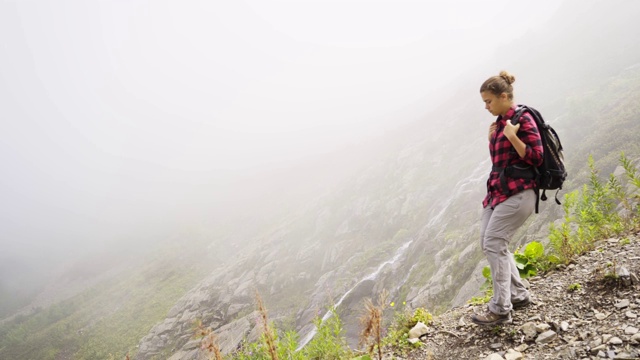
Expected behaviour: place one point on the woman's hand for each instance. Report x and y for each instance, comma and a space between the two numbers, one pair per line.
492, 129
511, 130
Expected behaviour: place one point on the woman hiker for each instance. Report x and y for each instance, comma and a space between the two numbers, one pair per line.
510, 199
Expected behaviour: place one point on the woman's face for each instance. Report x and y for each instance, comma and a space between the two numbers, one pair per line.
497, 105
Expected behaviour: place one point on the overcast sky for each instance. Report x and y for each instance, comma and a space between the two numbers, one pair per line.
111, 111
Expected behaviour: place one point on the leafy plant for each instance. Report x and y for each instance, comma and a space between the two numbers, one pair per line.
591, 214
329, 342
574, 287
528, 262
421, 315
486, 288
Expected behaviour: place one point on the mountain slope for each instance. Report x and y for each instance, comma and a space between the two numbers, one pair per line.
588, 314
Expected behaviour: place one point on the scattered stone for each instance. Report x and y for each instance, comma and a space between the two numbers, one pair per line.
529, 330
564, 326
494, 356
546, 337
522, 347
583, 335
513, 355
535, 318
461, 322
606, 338
601, 316
542, 327
626, 356
597, 349
614, 341
495, 346
622, 304
630, 330
631, 315
623, 275
418, 330
635, 339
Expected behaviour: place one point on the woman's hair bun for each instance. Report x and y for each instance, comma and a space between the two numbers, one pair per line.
510, 79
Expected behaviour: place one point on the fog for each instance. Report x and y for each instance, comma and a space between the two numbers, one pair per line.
126, 122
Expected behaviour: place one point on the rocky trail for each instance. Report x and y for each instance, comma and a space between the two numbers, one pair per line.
586, 310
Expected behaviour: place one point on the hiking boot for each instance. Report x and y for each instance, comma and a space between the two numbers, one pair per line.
521, 304
489, 318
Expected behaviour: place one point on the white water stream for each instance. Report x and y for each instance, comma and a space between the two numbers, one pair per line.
371, 276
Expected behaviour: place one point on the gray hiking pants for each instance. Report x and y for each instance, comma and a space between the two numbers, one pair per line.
498, 226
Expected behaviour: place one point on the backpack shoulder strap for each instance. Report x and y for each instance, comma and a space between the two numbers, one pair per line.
521, 109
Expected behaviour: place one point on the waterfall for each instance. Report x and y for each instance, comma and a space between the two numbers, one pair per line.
371, 276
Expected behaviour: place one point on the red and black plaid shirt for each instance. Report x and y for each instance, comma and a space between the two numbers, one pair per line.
503, 154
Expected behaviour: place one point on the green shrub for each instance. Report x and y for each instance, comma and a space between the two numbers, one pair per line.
529, 262
398, 334
328, 343
590, 214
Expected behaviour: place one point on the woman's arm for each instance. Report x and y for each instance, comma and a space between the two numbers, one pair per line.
528, 144
511, 131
